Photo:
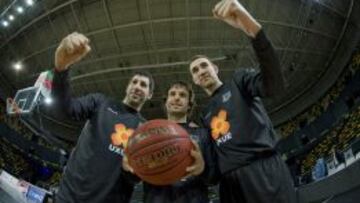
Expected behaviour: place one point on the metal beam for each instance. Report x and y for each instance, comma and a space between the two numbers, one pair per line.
311, 85
146, 52
300, 16
288, 25
341, 35
142, 30
150, 66
128, 54
36, 20
7, 8
37, 60
235, 47
111, 24
167, 20
153, 44
76, 18
93, 54
187, 7
50, 22
172, 23
331, 9
74, 84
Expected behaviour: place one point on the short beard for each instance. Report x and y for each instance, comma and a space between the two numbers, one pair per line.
177, 114
210, 85
135, 104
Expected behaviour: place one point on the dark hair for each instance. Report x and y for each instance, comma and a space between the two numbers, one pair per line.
190, 91
198, 57
148, 75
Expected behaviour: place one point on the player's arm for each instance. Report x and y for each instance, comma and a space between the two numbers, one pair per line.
72, 49
233, 13
211, 174
128, 171
198, 165
269, 80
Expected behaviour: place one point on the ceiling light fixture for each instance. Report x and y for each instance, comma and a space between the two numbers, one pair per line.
18, 66
29, 2
20, 9
5, 23
48, 100
11, 17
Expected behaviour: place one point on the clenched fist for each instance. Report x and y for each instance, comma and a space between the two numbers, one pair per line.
233, 13
71, 49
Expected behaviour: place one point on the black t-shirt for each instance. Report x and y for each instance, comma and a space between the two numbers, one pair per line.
193, 189
94, 170
235, 114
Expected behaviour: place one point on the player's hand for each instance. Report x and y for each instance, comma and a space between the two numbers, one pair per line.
233, 13
199, 165
71, 49
126, 166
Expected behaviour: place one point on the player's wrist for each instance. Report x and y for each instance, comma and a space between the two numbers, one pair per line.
254, 30
251, 26
59, 67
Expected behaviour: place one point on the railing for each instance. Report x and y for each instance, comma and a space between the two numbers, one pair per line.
350, 154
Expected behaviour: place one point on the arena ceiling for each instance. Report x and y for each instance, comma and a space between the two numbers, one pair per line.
161, 36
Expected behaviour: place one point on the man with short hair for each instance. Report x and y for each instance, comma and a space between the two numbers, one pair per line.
251, 169
179, 103
94, 170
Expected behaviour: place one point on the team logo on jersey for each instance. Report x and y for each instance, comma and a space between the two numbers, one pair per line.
121, 135
226, 96
112, 111
219, 125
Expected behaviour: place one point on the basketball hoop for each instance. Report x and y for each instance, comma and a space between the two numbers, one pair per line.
24, 101
12, 108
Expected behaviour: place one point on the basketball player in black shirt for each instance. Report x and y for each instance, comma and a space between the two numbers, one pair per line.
179, 103
251, 169
94, 170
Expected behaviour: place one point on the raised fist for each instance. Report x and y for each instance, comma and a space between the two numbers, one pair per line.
233, 13
71, 49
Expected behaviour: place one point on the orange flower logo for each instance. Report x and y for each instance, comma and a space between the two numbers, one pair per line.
219, 125
121, 135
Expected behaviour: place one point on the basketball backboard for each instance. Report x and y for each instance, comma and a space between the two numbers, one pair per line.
24, 101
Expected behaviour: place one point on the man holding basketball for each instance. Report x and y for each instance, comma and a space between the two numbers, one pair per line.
94, 170
250, 167
179, 103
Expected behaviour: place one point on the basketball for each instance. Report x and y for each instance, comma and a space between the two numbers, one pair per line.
159, 152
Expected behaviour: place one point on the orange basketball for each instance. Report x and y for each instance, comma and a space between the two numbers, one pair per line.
159, 152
